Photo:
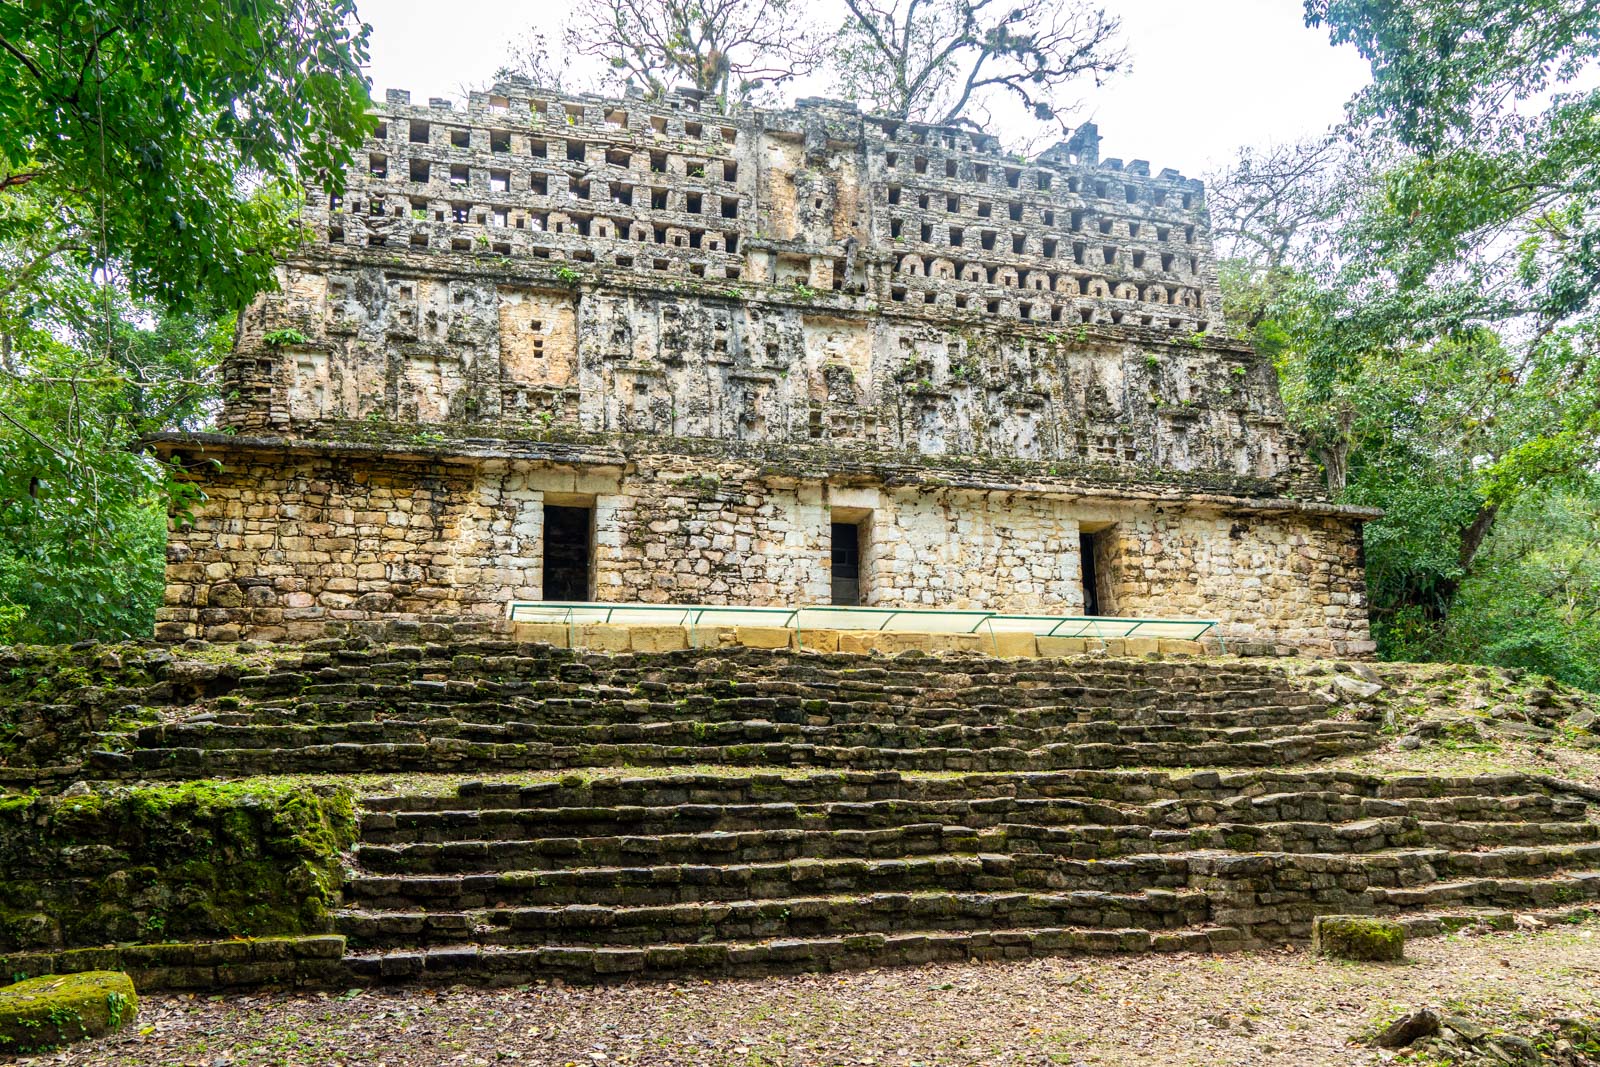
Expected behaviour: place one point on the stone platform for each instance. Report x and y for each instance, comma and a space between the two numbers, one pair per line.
633, 637
526, 811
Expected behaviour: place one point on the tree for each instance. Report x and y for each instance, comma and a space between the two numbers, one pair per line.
142, 132
1426, 282
725, 49
149, 163
942, 61
82, 513
529, 57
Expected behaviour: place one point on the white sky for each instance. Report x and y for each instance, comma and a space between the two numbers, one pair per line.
1208, 77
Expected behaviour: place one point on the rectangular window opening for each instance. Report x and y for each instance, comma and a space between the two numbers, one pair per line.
1094, 552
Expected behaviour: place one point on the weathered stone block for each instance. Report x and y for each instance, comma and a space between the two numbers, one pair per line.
857, 642
657, 638
558, 634
603, 637
1011, 645
1357, 937
1055, 647
955, 642
765, 636
818, 640
41, 1014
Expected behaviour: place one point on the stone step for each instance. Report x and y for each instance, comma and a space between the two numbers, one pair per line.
688, 883
1507, 892
951, 872
578, 963
1087, 842
218, 735
457, 681
756, 920
519, 710
770, 785
575, 963
574, 821
889, 912
446, 755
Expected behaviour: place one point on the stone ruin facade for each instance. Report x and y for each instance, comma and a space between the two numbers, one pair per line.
571, 348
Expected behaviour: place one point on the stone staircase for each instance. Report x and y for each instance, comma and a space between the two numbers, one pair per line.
743, 811
732, 874
502, 707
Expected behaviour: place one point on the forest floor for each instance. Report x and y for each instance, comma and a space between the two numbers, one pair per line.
1270, 1007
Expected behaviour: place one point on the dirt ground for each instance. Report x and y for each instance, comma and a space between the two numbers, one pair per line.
1276, 1007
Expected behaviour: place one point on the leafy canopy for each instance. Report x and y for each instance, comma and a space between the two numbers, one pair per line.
141, 131
1426, 278
149, 157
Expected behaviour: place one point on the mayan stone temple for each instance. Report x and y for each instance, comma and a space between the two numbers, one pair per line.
559, 348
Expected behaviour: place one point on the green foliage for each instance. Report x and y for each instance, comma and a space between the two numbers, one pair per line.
1531, 599
150, 156
130, 126
1427, 285
279, 338
82, 514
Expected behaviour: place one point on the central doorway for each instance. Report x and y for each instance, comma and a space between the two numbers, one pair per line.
568, 550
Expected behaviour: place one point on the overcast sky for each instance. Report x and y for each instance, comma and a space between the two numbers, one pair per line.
1208, 75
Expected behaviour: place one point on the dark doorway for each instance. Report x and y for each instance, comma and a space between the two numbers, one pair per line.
846, 563
1091, 574
567, 540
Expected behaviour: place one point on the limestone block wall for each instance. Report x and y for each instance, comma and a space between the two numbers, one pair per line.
286, 545
1294, 579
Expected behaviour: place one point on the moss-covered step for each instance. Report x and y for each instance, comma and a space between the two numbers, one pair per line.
199, 860
41, 1014
1357, 937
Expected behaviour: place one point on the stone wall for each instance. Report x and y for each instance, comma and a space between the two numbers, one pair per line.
723, 334
184, 861
286, 545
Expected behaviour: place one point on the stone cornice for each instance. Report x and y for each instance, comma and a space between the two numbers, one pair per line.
791, 463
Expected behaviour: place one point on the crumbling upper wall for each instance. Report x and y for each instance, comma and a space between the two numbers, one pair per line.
543, 262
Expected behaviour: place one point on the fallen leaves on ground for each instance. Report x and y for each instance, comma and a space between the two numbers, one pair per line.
1274, 1007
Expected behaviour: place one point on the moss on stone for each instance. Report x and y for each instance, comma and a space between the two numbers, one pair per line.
1357, 937
194, 860
41, 1014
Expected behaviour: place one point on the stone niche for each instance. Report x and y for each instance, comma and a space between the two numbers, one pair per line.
538, 338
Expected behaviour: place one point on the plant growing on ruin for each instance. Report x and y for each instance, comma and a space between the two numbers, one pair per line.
950, 61
279, 338
728, 50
